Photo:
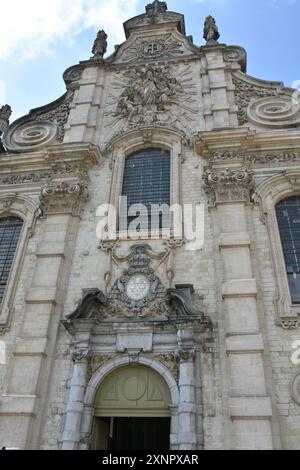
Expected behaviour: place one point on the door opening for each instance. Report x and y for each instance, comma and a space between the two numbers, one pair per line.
131, 433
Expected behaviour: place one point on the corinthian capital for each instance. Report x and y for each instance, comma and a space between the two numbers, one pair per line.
228, 185
80, 355
64, 197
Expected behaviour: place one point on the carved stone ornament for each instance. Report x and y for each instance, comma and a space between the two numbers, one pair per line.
80, 355
41, 127
275, 112
228, 185
5, 113
153, 96
295, 388
39, 176
211, 33
157, 47
245, 92
137, 294
236, 54
138, 287
186, 355
72, 76
64, 197
255, 158
289, 324
156, 13
156, 7
100, 45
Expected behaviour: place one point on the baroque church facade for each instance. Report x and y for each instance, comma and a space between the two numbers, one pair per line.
148, 341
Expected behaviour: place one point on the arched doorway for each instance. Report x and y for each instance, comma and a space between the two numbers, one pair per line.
132, 411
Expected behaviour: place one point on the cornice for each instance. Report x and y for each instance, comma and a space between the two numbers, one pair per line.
244, 139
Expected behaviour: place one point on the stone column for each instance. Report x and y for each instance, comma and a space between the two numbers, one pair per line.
23, 404
71, 434
187, 438
249, 405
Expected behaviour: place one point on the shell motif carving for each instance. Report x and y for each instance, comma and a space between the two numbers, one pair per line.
31, 135
275, 112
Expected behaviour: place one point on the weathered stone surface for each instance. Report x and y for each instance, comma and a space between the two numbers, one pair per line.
216, 324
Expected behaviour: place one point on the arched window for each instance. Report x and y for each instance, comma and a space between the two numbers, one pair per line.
288, 216
10, 230
147, 182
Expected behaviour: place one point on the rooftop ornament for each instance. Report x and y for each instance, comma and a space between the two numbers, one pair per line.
211, 33
5, 113
156, 7
100, 45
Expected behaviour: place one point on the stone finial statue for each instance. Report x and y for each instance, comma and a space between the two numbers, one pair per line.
100, 45
5, 113
156, 7
211, 32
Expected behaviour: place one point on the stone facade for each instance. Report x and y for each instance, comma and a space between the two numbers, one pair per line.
219, 325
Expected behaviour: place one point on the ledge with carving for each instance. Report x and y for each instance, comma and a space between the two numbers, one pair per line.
249, 145
35, 170
257, 158
96, 308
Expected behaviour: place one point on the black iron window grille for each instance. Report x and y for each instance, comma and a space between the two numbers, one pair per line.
10, 230
288, 217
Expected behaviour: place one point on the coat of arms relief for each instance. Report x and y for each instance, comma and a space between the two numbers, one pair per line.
153, 96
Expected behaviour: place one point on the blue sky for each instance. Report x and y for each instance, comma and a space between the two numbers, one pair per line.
39, 39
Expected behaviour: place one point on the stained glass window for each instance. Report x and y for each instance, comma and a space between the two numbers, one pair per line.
10, 230
288, 216
147, 181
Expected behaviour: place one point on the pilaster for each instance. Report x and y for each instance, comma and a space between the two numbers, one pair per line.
23, 404
250, 408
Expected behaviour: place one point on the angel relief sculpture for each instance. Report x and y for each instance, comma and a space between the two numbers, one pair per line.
149, 95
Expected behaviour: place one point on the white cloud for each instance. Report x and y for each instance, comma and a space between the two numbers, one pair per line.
31, 27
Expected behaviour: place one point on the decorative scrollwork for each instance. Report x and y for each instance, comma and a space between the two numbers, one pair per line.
30, 135
279, 112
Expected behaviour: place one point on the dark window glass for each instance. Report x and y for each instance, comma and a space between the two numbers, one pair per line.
147, 181
288, 216
10, 230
